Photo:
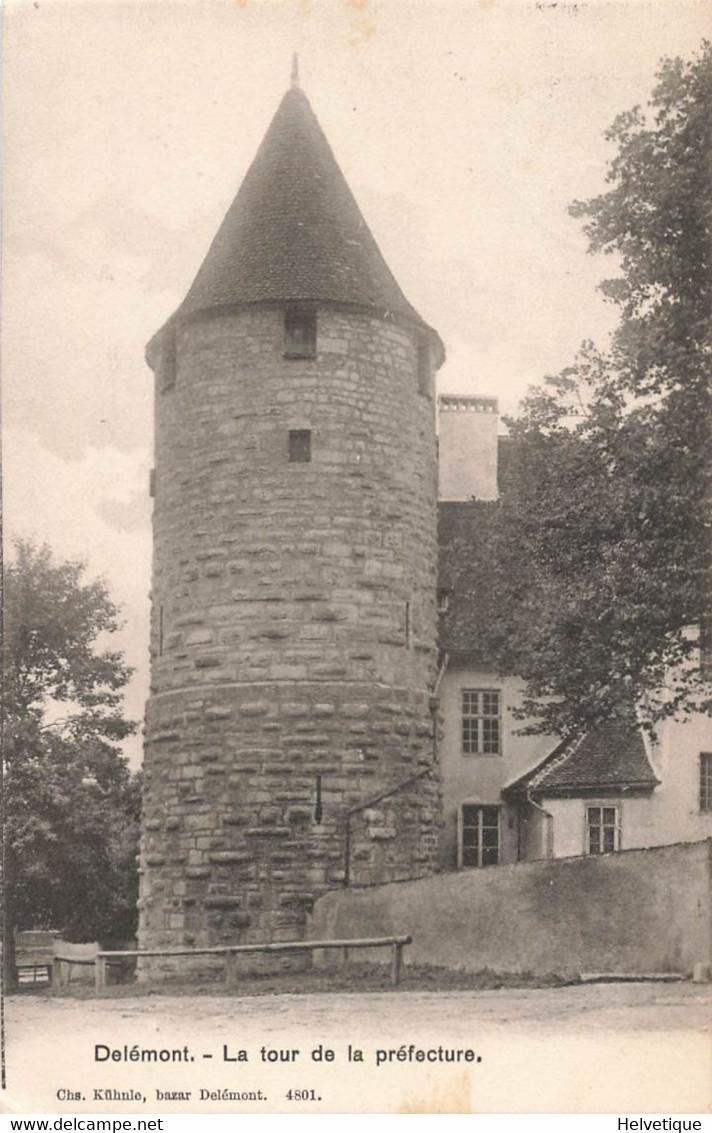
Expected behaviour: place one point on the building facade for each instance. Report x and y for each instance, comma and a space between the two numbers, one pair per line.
509, 797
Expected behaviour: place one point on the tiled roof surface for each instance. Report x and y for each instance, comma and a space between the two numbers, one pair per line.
295, 232
463, 540
612, 758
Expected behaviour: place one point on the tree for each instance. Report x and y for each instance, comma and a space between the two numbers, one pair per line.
603, 534
71, 807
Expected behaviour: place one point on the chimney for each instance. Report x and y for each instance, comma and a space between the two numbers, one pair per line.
467, 429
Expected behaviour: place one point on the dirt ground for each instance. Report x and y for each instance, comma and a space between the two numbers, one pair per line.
627, 1048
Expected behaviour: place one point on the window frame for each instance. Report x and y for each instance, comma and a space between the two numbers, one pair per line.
480, 719
616, 826
480, 826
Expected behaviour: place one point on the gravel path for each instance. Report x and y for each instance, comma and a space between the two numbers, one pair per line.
598, 1048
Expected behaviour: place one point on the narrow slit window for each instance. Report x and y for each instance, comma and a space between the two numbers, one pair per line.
318, 808
299, 332
299, 446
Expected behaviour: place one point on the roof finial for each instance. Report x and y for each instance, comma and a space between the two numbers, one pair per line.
295, 71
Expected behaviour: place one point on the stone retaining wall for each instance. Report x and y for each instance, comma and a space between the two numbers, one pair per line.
638, 911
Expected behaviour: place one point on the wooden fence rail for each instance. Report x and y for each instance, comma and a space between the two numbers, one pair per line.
230, 951
62, 967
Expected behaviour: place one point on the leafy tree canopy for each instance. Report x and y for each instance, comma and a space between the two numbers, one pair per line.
603, 533
71, 807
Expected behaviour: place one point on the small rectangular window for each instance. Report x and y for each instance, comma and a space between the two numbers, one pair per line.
299, 332
706, 781
299, 446
481, 730
603, 830
318, 808
479, 836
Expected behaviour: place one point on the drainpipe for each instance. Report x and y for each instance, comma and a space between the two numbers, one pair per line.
549, 825
441, 673
435, 703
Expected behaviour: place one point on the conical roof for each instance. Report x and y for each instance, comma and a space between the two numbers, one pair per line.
294, 231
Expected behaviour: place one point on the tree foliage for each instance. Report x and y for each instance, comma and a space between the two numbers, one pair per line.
603, 534
71, 806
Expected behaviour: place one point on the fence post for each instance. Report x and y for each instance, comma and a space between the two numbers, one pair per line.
396, 960
230, 969
100, 972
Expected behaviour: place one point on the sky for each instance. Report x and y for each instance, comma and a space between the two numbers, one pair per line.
465, 129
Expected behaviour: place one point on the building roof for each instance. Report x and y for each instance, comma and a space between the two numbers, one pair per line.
465, 575
295, 232
467, 572
612, 758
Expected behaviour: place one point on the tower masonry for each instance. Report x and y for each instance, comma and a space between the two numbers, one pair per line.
290, 729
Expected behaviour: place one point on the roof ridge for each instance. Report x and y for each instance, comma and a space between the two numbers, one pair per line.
553, 762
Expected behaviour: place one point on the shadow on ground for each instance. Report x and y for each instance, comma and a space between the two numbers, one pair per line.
350, 978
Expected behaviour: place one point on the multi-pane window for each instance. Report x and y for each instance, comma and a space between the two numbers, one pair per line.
479, 835
299, 446
603, 832
706, 781
299, 332
481, 729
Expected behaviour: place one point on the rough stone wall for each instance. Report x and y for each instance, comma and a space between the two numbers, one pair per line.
293, 630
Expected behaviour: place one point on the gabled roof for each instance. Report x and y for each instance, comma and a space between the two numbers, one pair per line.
610, 759
295, 233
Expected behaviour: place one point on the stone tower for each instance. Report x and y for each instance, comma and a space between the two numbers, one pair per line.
294, 574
